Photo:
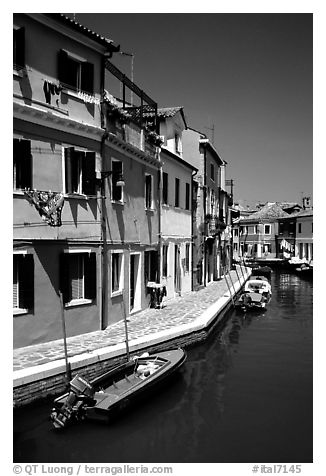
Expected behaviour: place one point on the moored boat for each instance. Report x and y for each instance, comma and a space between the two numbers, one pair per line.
257, 294
111, 392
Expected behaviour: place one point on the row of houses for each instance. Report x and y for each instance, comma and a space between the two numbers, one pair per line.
277, 230
115, 201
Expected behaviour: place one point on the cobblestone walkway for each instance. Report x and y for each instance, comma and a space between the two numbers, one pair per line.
175, 312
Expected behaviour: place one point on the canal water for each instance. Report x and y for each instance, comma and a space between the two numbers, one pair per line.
244, 395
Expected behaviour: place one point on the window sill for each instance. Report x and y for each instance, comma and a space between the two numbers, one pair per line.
117, 202
117, 293
19, 311
78, 302
79, 196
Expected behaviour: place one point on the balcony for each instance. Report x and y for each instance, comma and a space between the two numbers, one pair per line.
215, 224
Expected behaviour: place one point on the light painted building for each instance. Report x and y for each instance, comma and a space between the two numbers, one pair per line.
211, 214
304, 235
176, 205
85, 189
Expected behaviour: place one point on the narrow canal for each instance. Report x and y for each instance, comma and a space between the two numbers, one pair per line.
245, 395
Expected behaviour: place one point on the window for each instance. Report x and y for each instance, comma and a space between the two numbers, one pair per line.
177, 141
23, 283
281, 228
236, 232
165, 188
212, 205
299, 227
187, 201
19, 48
212, 172
235, 246
117, 174
165, 260
78, 277
116, 272
75, 72
22, 168
148, 191
177, 193
187, 258
267, 229
80, 175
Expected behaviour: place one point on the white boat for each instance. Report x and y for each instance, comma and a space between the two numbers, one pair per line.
257, 294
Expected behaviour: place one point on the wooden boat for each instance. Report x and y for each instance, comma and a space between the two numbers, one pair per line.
257, 294
111, 392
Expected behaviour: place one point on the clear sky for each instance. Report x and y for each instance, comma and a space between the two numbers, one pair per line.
248, 75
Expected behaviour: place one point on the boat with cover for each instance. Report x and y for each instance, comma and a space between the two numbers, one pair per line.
257, 294
111, 392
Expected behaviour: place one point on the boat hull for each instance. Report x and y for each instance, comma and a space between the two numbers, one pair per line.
119, 388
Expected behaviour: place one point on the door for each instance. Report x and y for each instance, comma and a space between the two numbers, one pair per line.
134, 283
177, 270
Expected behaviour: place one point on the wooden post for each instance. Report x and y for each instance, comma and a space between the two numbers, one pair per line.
126, 328
68, 370
228, 286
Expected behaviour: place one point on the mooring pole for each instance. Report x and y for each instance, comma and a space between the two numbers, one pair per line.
126, 330
68, 370
228, 287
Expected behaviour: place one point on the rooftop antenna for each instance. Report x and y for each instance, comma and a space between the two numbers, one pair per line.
211, 129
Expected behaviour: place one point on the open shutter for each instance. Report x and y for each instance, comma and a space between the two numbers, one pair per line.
19, 46
88, 174
26, 164
26, 282
87, 77
15, 282
64, 277
62, 66
69, 153
90, 276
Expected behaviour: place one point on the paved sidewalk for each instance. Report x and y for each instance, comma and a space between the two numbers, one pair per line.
177, 311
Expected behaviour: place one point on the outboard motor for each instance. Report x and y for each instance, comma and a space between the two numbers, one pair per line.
80, 391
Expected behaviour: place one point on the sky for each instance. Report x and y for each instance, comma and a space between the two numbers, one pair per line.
247, 75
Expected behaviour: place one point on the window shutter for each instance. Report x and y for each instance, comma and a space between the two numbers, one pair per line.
62, 66
64, 277
90, 276
89, 175
26, 164
15, 282
76, 270
69, 154
26, 282
87, 77
20, 47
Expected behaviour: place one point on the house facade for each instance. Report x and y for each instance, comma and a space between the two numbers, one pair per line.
211, 218
85, 185
176, 205
304, 235
258, 232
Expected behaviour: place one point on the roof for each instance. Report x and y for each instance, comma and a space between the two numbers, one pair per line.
60, 17
267, 212
166, 112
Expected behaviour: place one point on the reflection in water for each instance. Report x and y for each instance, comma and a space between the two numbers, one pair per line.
245, 395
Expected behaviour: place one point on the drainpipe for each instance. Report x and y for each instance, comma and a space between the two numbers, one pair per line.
205, 199
160, 191
103, 217
193, 221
